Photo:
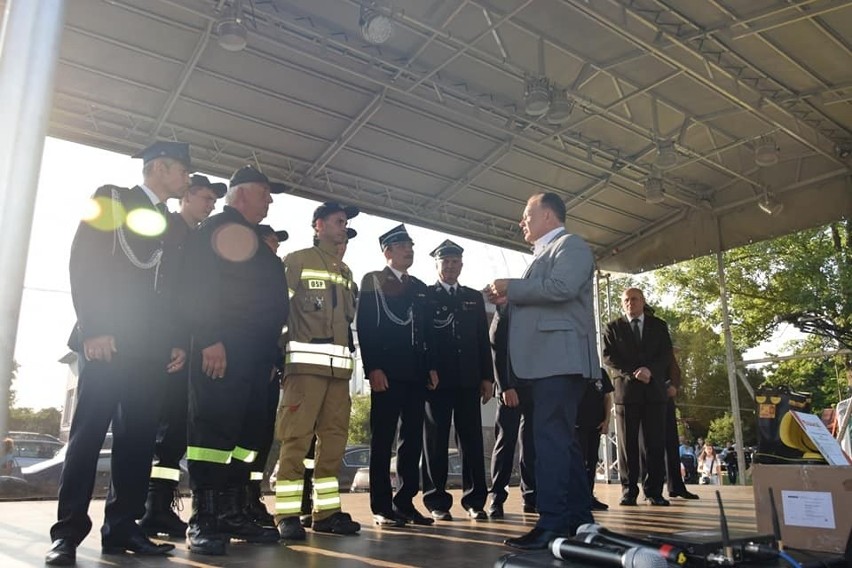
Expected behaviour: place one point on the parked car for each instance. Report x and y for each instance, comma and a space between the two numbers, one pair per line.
33, 447
454, 474
354, 459
43, 478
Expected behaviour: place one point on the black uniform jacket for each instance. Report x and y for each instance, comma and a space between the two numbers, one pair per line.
112, 294
622, 355
462, 353
389, 340
233, 286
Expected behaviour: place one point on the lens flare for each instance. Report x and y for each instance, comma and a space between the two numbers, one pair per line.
146, 222
103, 214
234, 242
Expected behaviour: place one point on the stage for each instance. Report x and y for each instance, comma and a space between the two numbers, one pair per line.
24, 527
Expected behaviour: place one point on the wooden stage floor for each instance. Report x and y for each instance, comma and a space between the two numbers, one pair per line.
460, 543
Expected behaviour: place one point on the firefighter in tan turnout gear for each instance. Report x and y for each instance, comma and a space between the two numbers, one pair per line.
317, 368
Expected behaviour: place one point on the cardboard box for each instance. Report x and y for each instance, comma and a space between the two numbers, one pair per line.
814, 504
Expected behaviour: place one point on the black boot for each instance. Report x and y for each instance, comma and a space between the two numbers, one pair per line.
202, 536
234, 523
160, 515
255, 508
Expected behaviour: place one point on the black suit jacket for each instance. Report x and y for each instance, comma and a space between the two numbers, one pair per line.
401, 350
112, 294
462, 353
622, 355
499, 336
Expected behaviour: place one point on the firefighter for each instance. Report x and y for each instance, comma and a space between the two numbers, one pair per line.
317, 368
235, 302
163, 495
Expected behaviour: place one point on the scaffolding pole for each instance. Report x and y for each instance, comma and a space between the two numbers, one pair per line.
29, 50
729, 357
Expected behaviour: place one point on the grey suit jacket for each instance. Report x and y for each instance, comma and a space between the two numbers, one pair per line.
551, 314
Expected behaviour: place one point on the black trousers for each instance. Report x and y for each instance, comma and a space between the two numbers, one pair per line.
510, 425
171, 433
267, 432
227, 416
674, 480
641, 438
126, 392
589, 438
402, 403
443, 407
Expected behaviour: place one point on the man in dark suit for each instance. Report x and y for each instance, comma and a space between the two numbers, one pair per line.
394, 328
126, 345
552, 347
160, 514
638, 351
674, 479
512, 423
462, 356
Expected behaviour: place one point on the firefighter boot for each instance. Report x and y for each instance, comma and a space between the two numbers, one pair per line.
202, 535
160, 510
234, 523
255, 508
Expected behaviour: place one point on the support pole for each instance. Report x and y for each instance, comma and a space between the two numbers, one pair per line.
729, 357
29, 50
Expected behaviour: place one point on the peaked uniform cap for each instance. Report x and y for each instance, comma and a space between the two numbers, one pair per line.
396, 235
198, 180
163, 149
446, 248
250, 174
351, 233
330, 207
264, 230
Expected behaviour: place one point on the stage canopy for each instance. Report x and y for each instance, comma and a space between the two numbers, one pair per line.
669, 128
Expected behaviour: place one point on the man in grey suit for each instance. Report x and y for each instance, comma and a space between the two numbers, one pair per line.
552, 349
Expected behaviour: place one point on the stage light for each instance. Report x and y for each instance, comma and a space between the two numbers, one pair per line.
770, 205
666, 155
654, 189
537, 95
766, 152
561, 106
230, 29
376, 27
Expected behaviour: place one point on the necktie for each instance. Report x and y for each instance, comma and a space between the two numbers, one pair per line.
404, 279
452, 291
637, 333
162, 208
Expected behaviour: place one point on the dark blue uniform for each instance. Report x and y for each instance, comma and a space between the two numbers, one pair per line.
116, 292
393, 327
462, 357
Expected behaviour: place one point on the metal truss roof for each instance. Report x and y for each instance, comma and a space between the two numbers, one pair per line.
430, 127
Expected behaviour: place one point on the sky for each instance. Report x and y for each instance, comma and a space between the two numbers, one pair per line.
70, 173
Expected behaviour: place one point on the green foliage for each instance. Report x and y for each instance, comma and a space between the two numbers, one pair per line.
44, 421
359, 420
12, 384
721, 430
823, 377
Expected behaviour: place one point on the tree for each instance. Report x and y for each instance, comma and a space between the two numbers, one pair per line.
809, 271
44, 421
15, 367
721, 430
359, 420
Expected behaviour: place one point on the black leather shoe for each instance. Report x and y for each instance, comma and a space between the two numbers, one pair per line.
659, 501
440, 515
137, 544
477, 514
627, 501
338, 523
536, 539
685, 494
62, 552
290, 528
495, 511
598, 505
388, 519
414, 516
530, 509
